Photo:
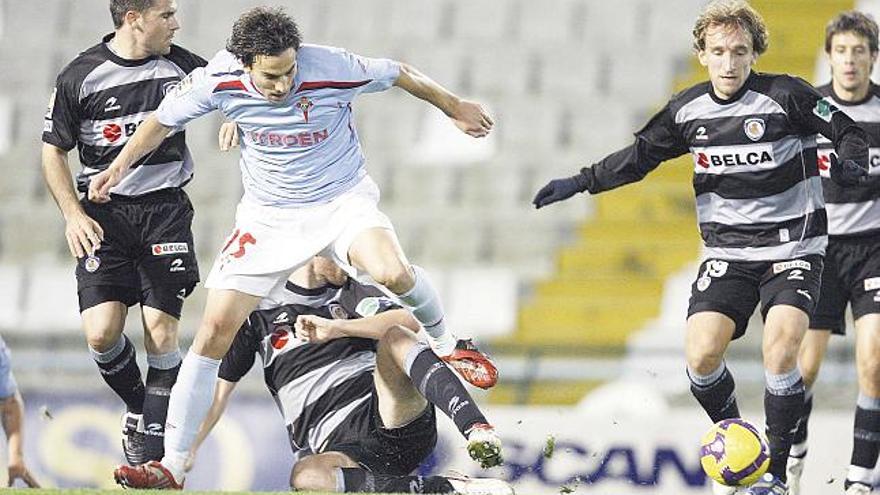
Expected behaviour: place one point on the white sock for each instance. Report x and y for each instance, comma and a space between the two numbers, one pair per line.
191, 398
424, 302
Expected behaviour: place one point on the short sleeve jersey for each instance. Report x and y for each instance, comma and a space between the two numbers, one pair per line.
303, 150
98, 102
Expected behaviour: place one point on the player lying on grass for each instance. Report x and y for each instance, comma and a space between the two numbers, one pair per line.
357, 390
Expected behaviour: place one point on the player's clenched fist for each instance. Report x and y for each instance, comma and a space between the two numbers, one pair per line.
315, 330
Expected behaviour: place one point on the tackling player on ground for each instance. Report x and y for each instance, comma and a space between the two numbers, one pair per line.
359, 413
759, 207
306, 191
852, 261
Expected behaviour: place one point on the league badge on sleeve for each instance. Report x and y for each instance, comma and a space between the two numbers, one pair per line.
824, 110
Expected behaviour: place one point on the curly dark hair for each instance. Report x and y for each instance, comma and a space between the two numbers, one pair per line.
853, 21
263, 31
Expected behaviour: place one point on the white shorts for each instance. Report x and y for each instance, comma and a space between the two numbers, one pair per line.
268, 243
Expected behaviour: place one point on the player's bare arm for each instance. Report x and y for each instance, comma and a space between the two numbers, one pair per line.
468, 116
222, 393
315, 329
147, 138
83, 234
12, 417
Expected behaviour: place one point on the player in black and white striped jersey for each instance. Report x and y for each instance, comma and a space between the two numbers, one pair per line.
138, 249
355, 387
759, 205
852, 261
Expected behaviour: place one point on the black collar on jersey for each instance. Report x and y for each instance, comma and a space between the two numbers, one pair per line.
312, 297
872, 90
736, 96
123, 61
314, 291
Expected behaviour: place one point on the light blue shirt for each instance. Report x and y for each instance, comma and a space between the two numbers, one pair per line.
8, 387
303, 150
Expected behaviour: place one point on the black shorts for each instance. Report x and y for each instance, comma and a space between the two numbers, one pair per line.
147, 255
852, 275
734, 288
397, 451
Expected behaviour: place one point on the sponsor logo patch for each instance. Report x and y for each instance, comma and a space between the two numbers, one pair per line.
872, 283
111, 105
788, 265
177, 266
282, 317
169, 248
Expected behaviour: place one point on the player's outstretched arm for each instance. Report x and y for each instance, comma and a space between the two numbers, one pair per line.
469, 116
83, 234
222, 393
147, 138
315, 329
12, 410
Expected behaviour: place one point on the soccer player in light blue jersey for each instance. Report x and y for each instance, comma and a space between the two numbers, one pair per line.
306, 191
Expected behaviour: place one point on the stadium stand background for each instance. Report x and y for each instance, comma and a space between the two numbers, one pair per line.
582, 302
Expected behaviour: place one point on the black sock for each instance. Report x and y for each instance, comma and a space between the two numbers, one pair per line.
866, 438
158, 391
782, 413
800, 435
441, 387
357, 480
124, 377
717, 398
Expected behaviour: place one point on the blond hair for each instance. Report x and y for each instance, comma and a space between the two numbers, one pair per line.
732, 13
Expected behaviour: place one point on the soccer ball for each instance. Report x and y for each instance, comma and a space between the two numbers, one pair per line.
734, 453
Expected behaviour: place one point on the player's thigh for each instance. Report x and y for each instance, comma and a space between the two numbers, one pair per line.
225, 311
377, 252
318, 471
723, 298
868, 354
399, 400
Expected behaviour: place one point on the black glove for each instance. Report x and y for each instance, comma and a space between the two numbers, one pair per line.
847, 173
558, 190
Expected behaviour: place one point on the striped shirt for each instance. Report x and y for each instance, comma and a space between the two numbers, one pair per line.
99, 100
853, 211
316, 386
756, 178
303, 150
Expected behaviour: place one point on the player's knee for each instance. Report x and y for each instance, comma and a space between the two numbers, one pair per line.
869, 373
396, 339
781, 357
397, 277
311, 476
163, 337
101, 336
703, 359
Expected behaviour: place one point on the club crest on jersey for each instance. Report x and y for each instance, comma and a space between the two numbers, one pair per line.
754, 128
305, 105
338, 312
